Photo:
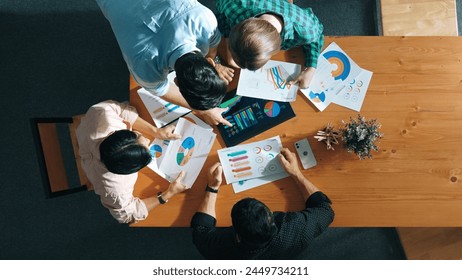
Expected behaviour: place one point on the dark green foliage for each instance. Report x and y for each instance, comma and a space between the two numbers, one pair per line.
359, 136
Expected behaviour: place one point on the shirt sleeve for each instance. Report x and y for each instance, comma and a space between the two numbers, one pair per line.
128, 209
158, 88
116, 194
300, 228
223, 25
125, 111
312, 52
317, 215
211, 242
215, 38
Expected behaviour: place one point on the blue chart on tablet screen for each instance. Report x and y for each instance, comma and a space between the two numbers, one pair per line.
251, 116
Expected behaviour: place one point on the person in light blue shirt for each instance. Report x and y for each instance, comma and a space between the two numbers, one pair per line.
160, 36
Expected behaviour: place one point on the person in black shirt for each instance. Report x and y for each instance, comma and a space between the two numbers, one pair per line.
258, 233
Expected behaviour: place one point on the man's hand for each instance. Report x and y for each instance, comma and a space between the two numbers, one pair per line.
214, 176
289, 162
177, 185
213, 116
166, 133
305, 77
225, 73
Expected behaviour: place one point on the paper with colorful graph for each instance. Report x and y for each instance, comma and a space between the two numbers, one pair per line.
161, 111
254, 160
189, 153
244, 185
338, 79
271, 82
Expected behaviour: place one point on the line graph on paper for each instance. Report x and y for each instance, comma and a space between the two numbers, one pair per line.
271, 82
278, 77
161, 111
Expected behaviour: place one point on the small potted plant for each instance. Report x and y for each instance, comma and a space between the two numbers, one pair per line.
359, 136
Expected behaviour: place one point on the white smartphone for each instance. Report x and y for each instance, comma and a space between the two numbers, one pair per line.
305, 153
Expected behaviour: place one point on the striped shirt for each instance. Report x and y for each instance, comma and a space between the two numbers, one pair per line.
301, 26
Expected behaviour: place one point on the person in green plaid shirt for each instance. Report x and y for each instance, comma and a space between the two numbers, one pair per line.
258, 29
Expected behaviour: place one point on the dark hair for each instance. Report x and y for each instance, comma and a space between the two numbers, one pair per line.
122, 154
253, 221
252, 42
199, 82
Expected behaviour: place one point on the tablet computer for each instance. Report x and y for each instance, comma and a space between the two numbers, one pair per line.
251, 116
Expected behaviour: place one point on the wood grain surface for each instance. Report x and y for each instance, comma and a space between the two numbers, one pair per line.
415, 177
419, 17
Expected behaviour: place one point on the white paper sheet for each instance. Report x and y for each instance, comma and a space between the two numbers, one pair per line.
195, 120
244, 185
270, 82
352, 96
254, 160
334, 73
188, 153
161, 111
241, 186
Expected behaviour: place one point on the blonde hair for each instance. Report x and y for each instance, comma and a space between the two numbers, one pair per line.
252, 42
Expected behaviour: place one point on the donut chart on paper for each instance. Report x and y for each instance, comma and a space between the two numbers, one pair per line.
185, 151
156, 151
341, 61
317, 97
272, 109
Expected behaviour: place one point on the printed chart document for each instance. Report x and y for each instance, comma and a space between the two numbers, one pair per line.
338, 79
256, 182
251, 161
244, 185
161, 111
189, 153
352, 96
158, 146
195, 120
270, 82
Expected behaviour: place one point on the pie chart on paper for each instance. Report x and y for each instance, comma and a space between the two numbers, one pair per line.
185, 151
272, 109
156, 151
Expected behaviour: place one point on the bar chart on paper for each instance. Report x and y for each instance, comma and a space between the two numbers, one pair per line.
240, 164
250, 161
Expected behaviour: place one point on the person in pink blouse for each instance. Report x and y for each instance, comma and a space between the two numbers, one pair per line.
113, 147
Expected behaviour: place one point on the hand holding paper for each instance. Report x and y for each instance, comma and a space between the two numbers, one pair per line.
167, 133
186, 154
305, 77
271, 82
252, 160
289, 162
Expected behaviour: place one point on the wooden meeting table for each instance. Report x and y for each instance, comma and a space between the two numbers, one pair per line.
415, 179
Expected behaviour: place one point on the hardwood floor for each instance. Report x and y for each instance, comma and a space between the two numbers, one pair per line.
432, 243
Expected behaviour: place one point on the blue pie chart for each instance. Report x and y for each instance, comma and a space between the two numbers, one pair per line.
185, 151
156, 151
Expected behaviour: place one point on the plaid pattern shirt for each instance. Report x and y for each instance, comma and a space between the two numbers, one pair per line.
301, 26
